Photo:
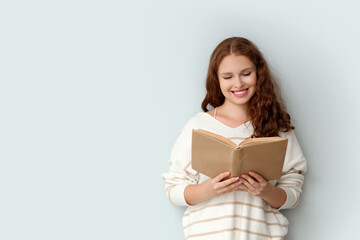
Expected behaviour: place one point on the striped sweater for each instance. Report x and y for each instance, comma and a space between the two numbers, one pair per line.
235, 215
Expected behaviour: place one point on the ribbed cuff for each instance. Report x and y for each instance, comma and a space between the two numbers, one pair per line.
291, 198
176, 195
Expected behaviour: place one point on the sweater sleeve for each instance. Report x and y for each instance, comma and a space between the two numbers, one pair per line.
295, 166
180, 173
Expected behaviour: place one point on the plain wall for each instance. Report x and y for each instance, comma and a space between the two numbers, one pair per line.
94, 93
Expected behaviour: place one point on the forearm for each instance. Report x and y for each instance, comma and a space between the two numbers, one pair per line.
211, 188
275, 197
195, 194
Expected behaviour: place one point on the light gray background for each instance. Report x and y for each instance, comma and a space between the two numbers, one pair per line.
93, 94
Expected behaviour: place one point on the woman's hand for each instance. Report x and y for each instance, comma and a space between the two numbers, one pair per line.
256, 185
211, 188
215, 186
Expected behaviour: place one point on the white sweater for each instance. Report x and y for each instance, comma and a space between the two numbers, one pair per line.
235, 215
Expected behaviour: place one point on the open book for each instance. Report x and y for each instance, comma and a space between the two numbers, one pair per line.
213, 154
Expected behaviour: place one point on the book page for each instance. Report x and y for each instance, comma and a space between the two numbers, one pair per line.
218, 137
250, 141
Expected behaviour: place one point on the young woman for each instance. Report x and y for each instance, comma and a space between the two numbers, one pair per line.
245, 104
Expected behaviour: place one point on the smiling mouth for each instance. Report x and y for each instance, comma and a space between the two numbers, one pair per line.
240, 93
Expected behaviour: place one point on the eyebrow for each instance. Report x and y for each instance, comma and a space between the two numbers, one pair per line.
249, 68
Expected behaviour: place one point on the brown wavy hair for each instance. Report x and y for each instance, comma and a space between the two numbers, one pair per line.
266, 108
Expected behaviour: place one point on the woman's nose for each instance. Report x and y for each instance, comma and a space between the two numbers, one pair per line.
238, 81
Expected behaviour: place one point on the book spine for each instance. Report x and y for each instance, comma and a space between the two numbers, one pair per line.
236, 162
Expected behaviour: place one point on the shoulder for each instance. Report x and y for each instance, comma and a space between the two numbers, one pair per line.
198, 120
185, 134
293, 145
287, 134
211, 112
290, 135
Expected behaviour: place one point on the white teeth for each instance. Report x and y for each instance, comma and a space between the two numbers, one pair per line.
240, 92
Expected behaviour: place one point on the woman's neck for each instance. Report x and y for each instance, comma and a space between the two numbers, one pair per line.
233, 111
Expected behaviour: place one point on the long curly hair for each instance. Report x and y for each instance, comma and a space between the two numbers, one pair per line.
266, 108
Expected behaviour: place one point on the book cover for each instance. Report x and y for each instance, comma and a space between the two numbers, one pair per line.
212, 154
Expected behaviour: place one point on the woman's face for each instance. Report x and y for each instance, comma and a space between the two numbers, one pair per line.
237, 78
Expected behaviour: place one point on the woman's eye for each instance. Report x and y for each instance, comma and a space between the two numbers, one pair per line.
227, 77
247, 74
